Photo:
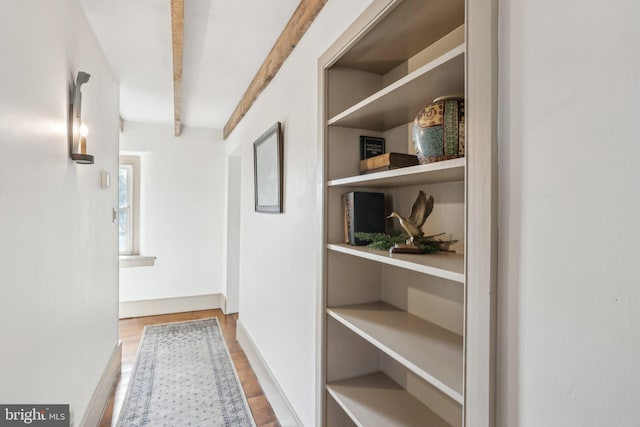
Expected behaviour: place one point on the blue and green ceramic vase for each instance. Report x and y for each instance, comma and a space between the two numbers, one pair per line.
438, 130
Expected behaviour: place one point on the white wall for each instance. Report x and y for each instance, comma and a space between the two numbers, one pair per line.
569, 287
182, 212
233, 219
58, 257
279, 253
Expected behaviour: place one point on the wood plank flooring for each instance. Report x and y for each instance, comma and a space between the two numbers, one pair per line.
130, 334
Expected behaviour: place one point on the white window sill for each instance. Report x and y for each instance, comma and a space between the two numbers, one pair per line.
136, 261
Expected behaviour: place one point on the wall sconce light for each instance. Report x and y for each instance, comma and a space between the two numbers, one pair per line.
78, 131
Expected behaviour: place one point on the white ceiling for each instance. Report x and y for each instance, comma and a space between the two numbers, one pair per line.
225, 42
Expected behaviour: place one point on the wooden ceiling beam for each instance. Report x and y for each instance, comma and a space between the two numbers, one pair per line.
298, 24
177, 36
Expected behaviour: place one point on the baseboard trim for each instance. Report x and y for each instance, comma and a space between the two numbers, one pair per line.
280, 404
154, 307
101, 394
223, 303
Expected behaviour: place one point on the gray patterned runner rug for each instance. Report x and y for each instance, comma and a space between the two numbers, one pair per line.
184, 376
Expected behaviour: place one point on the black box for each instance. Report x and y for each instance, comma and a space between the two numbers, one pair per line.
365, 213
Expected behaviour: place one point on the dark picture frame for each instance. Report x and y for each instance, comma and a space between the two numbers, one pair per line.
268, 170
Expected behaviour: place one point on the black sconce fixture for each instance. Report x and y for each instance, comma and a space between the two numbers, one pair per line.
78, 131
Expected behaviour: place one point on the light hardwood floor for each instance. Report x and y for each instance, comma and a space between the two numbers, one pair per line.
130, 334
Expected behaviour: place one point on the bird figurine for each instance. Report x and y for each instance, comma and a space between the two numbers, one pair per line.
421, 209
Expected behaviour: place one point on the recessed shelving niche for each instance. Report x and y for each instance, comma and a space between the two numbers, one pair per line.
395, 327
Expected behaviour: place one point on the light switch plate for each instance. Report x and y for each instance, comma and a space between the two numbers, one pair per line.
105, 179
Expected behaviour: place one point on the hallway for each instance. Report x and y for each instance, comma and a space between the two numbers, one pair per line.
130, 334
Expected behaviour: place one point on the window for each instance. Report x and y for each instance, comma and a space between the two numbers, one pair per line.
129, 205
129, 214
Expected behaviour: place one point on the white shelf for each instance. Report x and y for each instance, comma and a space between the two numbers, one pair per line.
374, 400
412, 26
431, 173
445, 265
399, 102
431, 352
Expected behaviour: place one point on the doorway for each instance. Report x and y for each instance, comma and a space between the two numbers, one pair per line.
234, 186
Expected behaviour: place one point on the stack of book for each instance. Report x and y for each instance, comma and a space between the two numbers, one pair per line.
387, 161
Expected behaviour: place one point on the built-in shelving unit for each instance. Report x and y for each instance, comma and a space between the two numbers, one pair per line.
395, 330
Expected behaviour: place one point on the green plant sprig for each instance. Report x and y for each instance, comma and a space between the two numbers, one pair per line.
385, 241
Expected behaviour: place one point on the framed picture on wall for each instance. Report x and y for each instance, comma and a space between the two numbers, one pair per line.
267, 162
